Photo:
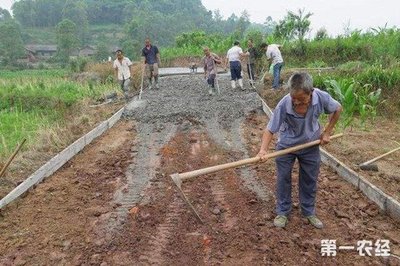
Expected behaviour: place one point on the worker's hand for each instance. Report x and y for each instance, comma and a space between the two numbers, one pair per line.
325, 138
262, 154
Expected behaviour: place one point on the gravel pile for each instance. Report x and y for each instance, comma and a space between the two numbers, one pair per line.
186, 98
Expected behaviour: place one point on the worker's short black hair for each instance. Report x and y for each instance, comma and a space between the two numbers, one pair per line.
119, 51
236, 43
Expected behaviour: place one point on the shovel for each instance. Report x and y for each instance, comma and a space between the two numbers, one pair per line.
179, 178
368, 166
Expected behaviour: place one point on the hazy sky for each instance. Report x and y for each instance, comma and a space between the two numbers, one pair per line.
333, 15
6, 4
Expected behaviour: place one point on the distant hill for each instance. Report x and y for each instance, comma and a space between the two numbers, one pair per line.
116, 22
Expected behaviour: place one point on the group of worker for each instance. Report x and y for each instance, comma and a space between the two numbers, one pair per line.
123, 67
234, 57
151, 61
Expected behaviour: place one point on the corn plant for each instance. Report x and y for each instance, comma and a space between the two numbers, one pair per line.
377, 76
362, 104
355, 98
374, 99
369, 101
343, 92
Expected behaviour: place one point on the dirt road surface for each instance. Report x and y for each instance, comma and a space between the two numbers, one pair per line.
115, 204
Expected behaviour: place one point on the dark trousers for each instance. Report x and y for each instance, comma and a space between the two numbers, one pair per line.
211, 80
277, 75
236, 70
309, 162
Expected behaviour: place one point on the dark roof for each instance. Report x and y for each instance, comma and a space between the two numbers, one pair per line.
87, 50
41, 47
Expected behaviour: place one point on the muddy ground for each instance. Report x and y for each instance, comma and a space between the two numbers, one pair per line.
115, 204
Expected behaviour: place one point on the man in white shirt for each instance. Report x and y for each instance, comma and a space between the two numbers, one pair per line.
123, 68
233, 56
275, 57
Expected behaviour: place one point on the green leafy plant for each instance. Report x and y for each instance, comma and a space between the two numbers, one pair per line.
343, 91
355, 99
368, 102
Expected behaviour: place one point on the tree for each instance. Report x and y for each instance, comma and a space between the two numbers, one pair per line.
134, 36
4, 15
67, 39
294, 25
11, 46
38, 13
242, 24
217, 15
321, 34
25, 12
301, 23
284, 29
75, 10
102, 49
269, 24
195, 38
230, 23
256, 36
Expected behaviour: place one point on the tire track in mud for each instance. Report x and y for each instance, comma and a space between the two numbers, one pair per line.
218, 199
156, 250
200, 143
219, 195
232, 138
157, 244
162, 219
150, 139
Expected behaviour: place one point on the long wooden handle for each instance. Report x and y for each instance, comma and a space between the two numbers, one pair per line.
252, 160
380, 156
12, 157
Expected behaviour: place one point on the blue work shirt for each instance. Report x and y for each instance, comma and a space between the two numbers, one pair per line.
150, 54
295, 129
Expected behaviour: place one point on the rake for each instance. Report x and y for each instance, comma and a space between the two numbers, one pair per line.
179, 178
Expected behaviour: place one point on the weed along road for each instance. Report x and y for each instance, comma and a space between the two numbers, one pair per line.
115, 203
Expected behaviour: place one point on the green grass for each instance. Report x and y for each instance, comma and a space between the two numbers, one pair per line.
22, 75
34, 100
16, 126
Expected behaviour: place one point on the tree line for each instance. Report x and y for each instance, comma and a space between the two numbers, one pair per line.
160, 18
168, 23
130, 20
